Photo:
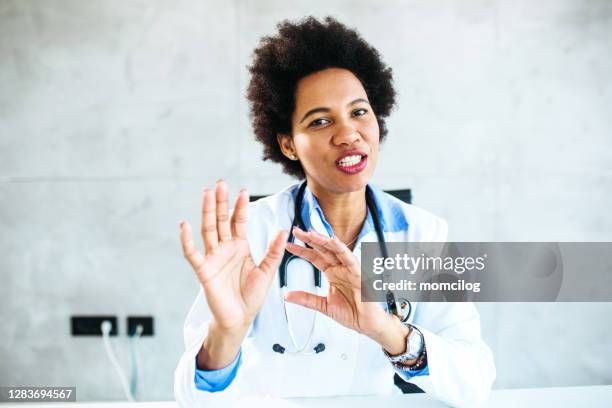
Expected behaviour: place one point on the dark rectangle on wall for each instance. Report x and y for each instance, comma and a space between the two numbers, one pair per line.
145, 321
90, 325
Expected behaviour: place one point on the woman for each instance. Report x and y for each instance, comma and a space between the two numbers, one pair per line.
319, 97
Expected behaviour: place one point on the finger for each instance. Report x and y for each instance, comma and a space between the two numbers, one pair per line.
309, 255
239, 217
342, 252
326, 254
314, 302
317, 242
275, 253
327, 257
223, 225
195, 259
311, 238
333, 245
209, 222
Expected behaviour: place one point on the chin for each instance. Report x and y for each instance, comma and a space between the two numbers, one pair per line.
339, 183
349, 184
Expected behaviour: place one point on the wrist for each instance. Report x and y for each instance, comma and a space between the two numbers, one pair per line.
220, 347
237, 332
393, 337
414, 357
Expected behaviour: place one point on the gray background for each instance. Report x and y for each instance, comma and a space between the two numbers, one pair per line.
115, 114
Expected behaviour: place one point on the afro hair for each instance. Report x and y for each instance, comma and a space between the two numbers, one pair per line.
296, 51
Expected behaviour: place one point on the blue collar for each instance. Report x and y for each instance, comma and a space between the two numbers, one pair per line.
389, 210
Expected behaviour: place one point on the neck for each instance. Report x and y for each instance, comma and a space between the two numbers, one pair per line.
345, 212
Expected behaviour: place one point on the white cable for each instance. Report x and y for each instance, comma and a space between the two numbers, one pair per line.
134, 361
106, 327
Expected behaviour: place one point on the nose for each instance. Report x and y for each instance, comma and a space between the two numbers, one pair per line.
346, 135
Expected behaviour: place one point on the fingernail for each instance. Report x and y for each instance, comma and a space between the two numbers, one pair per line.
181, 222
220, 180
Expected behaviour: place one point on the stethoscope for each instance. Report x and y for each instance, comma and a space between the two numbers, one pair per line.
405, 307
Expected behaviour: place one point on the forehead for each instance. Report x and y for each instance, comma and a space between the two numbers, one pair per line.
332, 86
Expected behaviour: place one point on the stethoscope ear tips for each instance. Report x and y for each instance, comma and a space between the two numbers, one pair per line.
319, 348
278, 348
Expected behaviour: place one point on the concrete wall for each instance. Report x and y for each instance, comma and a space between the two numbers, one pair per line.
115, 114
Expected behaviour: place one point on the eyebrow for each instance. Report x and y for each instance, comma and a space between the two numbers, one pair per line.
322, 109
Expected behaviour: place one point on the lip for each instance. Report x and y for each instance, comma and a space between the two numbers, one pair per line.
356, 168
350, 153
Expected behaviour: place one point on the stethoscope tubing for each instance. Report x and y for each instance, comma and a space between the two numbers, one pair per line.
288, 257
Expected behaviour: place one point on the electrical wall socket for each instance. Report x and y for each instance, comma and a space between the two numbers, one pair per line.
145, 321
90, 325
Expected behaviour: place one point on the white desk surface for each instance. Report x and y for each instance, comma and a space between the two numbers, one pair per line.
590, 396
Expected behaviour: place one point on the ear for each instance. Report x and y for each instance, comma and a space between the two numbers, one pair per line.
285, 141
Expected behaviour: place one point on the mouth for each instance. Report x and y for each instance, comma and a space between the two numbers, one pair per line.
352, 162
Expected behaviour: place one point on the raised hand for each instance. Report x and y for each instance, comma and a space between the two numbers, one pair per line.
343, 302
234, 286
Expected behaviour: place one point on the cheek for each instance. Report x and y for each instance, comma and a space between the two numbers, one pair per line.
308, 151
373, 140
308, 146
373, 133
301, 144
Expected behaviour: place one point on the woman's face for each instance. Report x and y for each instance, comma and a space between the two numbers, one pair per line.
335, 131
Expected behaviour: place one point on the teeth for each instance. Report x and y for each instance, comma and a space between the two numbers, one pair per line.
350, 160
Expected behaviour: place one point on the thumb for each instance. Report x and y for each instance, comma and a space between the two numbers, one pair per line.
275, 253
314, 302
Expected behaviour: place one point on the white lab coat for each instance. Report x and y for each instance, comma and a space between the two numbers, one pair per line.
461, 367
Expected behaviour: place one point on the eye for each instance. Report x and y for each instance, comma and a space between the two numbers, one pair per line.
319, 122
360, 112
